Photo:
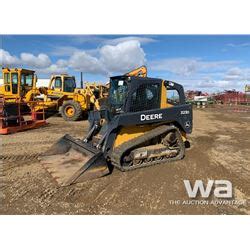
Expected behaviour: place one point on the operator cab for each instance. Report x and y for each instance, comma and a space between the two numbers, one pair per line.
17, 82
135, 94
63, 83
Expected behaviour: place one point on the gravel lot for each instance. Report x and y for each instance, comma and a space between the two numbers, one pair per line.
220, 149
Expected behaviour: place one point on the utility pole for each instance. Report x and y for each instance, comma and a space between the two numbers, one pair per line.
81, 81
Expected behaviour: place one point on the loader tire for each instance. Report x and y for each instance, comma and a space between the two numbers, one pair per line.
71, 111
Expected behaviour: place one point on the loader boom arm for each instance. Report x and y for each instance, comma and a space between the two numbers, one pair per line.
141, 72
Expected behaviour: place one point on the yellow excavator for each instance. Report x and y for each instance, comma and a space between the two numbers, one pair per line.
141, 125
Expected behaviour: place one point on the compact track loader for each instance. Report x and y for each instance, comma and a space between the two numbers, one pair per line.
143, 123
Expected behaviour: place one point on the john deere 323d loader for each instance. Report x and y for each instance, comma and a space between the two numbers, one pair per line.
143, 123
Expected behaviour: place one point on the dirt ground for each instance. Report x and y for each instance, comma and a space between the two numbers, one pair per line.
220, 149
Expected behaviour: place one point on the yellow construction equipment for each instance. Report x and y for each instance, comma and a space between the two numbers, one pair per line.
144, 122
17, 101
247, 88
19, 83
140, 72
71, 102
61, 95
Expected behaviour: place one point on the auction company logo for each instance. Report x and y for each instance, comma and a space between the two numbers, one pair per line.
222, 188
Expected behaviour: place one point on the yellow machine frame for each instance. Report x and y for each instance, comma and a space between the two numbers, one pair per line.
18, 84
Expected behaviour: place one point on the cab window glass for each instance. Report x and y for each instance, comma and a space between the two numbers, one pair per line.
118, 92
69, 85
145, 97
27, 80
173, 97
14, 78
22, 79
58, 82
7, 78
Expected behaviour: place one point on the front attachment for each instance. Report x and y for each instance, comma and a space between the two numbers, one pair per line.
71, 161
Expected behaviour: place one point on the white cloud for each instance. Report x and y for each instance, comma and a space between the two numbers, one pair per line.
216, 65
111, 58
233, 74
52, 69
62, 63
40, 61
140, 39
82, 39
238, 45
232, 78
214, 84
189, 66
61, 66
26, 59
108, 59
179, 66
64, 50
6, 59
125, 53
229, 80
122, 57
234, 71
240, 74
81, 61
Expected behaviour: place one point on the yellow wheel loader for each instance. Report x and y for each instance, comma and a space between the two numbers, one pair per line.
143, 123
72, 103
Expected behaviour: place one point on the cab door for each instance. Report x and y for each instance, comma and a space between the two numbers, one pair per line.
14, 83
58, 84
55, 88
11, 84
69, 84
7, 84
26, 83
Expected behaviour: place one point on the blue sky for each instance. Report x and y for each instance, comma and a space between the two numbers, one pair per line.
208, 63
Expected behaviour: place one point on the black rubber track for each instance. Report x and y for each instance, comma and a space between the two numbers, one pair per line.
118, 153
